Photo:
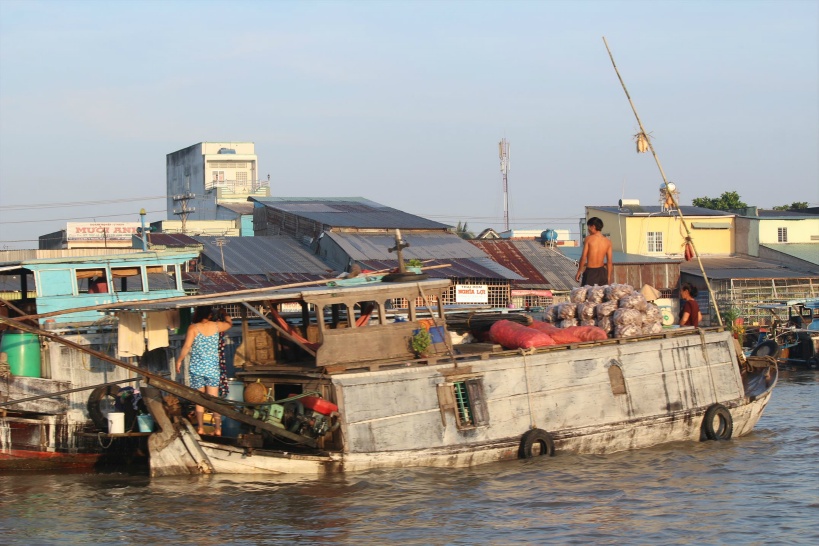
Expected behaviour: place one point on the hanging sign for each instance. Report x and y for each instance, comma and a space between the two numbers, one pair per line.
100, 231
471, 293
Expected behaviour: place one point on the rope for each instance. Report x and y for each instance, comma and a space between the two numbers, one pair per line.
523, 353
110, 440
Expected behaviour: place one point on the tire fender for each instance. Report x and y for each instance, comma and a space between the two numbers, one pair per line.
718, 423
534, 437
94, 399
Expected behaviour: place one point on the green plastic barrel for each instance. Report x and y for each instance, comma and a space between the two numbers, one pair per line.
23, 352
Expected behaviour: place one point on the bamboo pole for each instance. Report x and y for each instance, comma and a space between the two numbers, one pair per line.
689, 238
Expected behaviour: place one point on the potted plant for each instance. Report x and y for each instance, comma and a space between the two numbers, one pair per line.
414, 266
420, 342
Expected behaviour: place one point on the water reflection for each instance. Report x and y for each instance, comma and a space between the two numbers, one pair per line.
755, 489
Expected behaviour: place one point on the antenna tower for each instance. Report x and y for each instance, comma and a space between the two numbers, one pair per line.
503, 152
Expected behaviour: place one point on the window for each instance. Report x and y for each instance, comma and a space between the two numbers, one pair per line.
92, 281
782, 235
466, 398
654, 241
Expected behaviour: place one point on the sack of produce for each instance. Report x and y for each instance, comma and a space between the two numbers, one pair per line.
605, 309
588, 332
595, 294
605, 324
627, 330
628, 317
517, 336
617, 291
566, 311
559, 335
585, 311
635, 300
578, 295
567, 323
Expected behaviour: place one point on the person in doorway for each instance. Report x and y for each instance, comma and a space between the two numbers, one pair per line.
690, 310
202, 343
596, 266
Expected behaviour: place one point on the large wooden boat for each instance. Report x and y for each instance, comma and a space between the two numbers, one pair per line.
342, 390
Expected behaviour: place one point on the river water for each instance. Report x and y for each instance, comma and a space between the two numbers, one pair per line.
759, 489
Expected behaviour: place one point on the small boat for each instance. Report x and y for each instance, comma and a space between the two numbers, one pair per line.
793, 336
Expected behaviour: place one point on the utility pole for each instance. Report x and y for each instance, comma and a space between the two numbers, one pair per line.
503, 152
183, 213
220, 242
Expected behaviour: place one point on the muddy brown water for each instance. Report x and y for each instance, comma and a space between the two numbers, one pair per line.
759, 489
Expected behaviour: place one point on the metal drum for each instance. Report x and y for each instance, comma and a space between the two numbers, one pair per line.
236, 392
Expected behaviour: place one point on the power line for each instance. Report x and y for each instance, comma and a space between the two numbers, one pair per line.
93, 216
80, 203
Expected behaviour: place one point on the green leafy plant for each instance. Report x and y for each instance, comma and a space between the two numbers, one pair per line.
421, 341
415, 262
729, 319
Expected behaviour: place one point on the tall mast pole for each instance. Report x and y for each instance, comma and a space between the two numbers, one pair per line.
503, 152
669, 190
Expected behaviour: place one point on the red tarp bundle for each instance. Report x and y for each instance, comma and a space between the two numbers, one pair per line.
517, 336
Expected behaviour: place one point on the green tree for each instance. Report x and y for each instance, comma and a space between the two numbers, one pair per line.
796, 205
729, 200
463, 231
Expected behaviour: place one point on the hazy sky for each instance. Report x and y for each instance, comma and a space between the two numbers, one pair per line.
404, 103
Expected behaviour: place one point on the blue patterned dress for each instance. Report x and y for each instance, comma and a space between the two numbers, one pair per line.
204, 365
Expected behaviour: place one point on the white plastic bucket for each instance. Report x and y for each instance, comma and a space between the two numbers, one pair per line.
116, 422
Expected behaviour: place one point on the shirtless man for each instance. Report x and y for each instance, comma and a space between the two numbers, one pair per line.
596, 266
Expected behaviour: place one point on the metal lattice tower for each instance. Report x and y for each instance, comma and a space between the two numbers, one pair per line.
503, 152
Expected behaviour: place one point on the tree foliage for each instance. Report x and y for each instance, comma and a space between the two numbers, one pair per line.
729, 200
796, 205
463, 231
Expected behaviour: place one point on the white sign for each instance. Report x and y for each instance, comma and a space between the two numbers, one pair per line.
471, 293
100, 231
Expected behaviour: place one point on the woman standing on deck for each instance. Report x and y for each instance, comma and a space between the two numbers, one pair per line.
202, 343
690, 314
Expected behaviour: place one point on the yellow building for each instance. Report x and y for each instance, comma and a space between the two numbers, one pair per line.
658, 232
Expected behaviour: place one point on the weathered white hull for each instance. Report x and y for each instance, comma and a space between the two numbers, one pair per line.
396, 418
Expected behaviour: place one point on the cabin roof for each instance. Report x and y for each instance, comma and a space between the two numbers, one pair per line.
151, 256
238, 208
349, 212
511, 255
457, 268
273, 254
172, 240
286, 294
423, 246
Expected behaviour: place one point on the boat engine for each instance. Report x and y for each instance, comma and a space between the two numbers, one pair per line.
309, 416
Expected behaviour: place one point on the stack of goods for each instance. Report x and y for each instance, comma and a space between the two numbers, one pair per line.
512, 335
617, 309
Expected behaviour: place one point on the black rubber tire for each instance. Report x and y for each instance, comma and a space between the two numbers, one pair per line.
404, 277
94, 399
538, 437
766, 348
725, 427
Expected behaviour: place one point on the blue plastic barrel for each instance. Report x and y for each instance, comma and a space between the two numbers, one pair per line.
236, 392
23, 352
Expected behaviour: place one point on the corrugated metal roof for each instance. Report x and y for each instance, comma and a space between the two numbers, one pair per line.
619, 258
785, 214
507, 253
558, 269
741, 267
171, 240
238, 208
710, 225
459, 268
656, 210
808, 252
423, 246
275, 254
352, 212
216, 282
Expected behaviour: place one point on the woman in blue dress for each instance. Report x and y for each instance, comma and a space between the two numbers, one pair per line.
202, 344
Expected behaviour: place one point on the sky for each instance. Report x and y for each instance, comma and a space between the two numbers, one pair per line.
404, 103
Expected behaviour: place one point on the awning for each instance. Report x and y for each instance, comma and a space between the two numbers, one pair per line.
541, 293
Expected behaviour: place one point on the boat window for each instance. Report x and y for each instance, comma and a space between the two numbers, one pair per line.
367, 313
161, 278
470, 403
127, 279
92, 281
618, 382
